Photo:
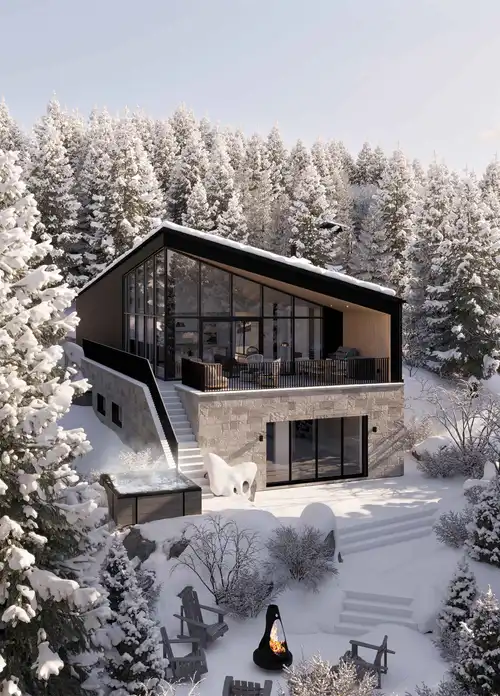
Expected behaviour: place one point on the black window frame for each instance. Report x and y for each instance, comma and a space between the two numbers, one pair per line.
116, 414
101, 404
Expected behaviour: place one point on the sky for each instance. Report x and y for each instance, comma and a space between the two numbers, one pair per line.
418, 74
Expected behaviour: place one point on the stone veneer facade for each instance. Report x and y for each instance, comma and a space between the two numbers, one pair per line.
231, 423
138, 429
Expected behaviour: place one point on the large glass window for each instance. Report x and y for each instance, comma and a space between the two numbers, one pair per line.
182, 284
246, 337
131, 292
160, 283
303, 450
216, 340
246, 297
150, 286
352, 460
139, 276
181, 342
329, 447
215, 291
308, 338
277, 339
277, 304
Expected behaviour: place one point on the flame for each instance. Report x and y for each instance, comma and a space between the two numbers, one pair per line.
276, 645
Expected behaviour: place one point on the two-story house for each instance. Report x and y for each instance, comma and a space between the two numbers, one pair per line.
208, 345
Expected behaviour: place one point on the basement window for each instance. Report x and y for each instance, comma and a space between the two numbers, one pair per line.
101, 405
116, 414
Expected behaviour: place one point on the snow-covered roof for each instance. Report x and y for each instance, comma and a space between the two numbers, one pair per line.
296, 262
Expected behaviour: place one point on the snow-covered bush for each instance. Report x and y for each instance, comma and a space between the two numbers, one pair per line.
317, 677
45, 516
473, 494
457, 608
448, 687
452, 461
219, 553
478, 666
483, 540
451, 527
416, 430
133, 664
150, 588
300, 555
249, 593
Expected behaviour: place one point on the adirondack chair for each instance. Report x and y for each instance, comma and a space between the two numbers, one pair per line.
379, 664
191, 666
193, 618
243, 688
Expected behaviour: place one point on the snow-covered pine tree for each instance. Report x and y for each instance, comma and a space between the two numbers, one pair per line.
490, 188
257, 193
462, 592
93, 185
197, 213
483, 541
183, 123
219, 181
72, 129
299, 160
309, 207
478, 666
395, 204
418, 172
191, 166
342, 159
165, 153
144, 126
363, 170
51, 180
209, 132
468, 343
236, 148
277, 158
359, 262
42, 606
133, 665
232, 223
11, 136
133, 203
378, 165
423, 323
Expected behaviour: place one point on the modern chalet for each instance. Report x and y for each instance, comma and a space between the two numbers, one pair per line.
196, 344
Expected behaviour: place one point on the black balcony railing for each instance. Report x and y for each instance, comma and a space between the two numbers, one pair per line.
140, 369
235, 376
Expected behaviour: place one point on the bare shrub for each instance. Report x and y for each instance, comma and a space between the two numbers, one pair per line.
416, 430
452, 461
451, 528
249, 593
301, 555
219, 553
473, 494
448, 687
317, 677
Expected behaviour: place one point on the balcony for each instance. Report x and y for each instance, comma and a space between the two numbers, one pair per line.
233, 375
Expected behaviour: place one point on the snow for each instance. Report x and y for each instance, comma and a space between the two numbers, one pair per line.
149, 481
302, 263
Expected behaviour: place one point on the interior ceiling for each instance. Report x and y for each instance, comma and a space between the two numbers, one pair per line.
308, 295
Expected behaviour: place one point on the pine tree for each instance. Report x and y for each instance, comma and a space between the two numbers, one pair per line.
257, 193
42, 607
51, 180
236, 148
133, 203
378, 165
209, 133
308, 209
232, 223
197, 214
183, 123
462, 592
363, 171
93, 183
341, 159
133, 665
164, 154
277, 159
299, 160
490, 189
418, 173
360, 259
395, 203
478, 666
191, 166
219, 181
71, 128
11, 136
431, 229
145, 127
470, 298
483, 541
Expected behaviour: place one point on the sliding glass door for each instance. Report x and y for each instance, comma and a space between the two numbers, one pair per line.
316, 450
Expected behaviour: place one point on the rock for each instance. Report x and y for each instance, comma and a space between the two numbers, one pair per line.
490, 471
226, 480
177, 548
137, 546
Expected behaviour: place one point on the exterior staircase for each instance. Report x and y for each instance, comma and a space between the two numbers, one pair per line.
361, 611
190, 457
372, 535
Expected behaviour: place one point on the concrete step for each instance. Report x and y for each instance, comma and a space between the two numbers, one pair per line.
187, 438
182, 430
429, 512
384, 610
193, 470
378, 598
380, 532
351, 630
179, 418
385, 540
348, 617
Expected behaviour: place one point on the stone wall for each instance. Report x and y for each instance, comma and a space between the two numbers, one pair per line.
139, 429
233, 424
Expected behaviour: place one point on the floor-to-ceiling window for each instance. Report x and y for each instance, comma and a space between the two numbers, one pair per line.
176, 306
313, 450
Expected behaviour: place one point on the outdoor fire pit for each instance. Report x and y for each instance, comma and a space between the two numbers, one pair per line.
273, 653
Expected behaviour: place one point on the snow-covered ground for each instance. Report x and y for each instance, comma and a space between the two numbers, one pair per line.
418, 569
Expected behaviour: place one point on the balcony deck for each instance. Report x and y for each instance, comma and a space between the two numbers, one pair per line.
210, 377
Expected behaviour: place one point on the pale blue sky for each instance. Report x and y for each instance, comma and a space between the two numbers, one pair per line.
423, 73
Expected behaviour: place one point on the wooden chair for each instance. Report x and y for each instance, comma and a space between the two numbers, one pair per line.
379, 664
243, 688
193, 618
191, 666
